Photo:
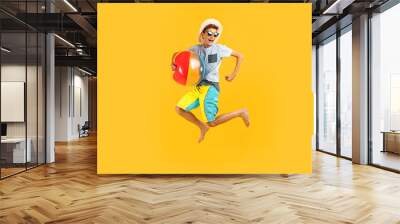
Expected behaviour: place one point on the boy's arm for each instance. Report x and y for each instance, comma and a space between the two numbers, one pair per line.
239, 59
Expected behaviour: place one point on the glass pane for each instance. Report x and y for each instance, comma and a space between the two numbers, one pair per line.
32, 95
327, 96
14, 153
41, 98
314, 78
346, 94
386, 89
31, 86
22, 89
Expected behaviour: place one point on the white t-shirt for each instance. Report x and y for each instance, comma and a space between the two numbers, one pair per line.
210, 59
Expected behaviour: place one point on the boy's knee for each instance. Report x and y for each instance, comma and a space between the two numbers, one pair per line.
178, 110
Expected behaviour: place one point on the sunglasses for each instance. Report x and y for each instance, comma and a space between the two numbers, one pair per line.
209, 33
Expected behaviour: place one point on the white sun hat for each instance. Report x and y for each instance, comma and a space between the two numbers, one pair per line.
209, 22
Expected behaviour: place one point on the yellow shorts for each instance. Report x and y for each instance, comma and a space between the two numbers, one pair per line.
206, 97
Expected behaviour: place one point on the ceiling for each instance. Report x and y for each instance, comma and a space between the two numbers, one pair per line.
73, 20
332, 15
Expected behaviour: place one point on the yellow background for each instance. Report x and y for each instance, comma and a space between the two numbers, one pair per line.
139, 131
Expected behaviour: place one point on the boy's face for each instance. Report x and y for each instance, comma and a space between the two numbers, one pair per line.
209, 36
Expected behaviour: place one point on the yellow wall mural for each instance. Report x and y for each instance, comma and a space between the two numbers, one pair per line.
257, 119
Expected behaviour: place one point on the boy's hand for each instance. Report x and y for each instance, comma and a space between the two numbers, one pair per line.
173, 67
229, 78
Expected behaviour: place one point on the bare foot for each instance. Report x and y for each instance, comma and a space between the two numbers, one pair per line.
203, 132
245, 117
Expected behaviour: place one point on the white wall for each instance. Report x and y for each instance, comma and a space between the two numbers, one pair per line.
16, 73
50, 94
62, 81
82, 82
12, 73
71, 102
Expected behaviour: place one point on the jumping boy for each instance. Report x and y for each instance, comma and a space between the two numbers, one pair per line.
205, 93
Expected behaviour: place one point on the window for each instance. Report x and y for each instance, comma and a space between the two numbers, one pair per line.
385, 89
346, 93
327, 95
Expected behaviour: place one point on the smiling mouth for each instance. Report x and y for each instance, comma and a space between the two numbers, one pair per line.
210, 40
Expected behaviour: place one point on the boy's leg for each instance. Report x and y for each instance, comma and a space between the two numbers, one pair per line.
193, 119
188, 102
208, 100
243, 113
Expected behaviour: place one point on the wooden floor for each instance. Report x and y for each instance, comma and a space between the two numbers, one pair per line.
69, 191
386, 159
5, 172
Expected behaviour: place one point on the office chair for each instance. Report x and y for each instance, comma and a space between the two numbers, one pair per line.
84, 130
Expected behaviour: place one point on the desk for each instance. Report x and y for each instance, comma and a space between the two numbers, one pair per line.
13, 150
391, 141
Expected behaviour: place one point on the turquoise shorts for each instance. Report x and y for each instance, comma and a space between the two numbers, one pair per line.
205, 97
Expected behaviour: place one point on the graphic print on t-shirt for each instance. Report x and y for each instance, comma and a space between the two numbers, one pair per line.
212, 58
